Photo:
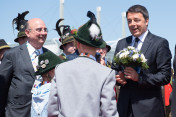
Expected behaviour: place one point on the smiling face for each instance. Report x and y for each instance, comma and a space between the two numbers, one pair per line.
137, 24
36, 32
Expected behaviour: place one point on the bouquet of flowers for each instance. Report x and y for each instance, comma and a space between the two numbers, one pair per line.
129, 57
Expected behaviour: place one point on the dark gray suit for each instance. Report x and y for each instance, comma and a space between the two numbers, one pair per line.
16, 81
144, 97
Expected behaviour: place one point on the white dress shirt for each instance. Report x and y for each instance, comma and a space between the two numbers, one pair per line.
141, 40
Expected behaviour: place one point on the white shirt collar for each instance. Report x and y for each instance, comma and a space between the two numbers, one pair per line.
31, 49
142, 37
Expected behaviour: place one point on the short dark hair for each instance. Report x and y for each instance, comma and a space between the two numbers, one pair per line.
138, 9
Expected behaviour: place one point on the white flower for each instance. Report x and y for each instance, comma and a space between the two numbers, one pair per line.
131, 48
46, 61
41, 62
143, 58
124, 54
135, 56
43, 66
117, 55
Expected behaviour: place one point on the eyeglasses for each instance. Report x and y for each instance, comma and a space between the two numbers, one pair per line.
40, 30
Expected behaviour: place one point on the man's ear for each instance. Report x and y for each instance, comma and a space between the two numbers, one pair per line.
77, 44
147, 21
27, 32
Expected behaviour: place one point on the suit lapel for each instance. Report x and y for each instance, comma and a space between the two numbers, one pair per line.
26, 58
146, 43
128, 41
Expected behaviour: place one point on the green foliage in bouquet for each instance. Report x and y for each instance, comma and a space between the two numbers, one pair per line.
129, 57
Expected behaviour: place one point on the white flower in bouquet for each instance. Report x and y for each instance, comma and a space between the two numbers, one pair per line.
143, 58
131, 47
135, 57
124, 54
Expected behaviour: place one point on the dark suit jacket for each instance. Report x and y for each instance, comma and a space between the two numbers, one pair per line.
16, 81
173, 101
145, 95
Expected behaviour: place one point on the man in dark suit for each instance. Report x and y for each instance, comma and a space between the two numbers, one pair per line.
173, 97
17, 71
140, 94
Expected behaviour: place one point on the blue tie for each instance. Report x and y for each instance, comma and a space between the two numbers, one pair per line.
37, 52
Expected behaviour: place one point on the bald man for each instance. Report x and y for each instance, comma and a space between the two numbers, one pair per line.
17, 71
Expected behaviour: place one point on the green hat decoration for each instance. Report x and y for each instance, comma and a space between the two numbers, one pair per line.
46, 62
21, 24
66, 35
90, 33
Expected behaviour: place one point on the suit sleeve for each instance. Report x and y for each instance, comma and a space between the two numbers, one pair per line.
6, 72
53, 110
162, 67
108, 101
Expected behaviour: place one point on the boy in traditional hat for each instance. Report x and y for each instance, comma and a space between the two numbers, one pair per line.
47, 63
66, 38
102, 60
3, 47
21, 26
83, 87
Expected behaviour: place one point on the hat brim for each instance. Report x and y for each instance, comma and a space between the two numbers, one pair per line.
108, 47
20, 34
67, 40
100, 44
4, 47
42, 71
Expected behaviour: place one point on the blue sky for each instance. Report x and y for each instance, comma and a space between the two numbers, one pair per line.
161, 22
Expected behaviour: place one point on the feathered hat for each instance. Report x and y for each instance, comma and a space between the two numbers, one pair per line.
21, 24
90, 33
66, 35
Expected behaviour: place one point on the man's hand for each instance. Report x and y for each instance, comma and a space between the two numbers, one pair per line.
120, 78
131, 73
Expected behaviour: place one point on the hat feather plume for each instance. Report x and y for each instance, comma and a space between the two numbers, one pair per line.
94, 29
18, 19
92, 17
58, 27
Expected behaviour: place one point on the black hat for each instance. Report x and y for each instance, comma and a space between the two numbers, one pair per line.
47, 61
90, 33
3, 44
66, 35
21, 24
108, 47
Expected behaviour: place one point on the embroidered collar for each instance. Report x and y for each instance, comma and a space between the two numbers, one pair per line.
87, 55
